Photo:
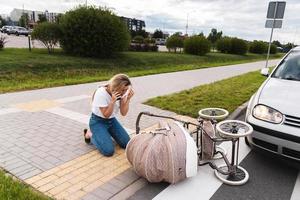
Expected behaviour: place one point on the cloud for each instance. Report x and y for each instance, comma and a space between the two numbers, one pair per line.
240, 18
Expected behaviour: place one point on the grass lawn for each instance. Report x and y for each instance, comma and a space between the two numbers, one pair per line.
14, 190
229, 94
21, 69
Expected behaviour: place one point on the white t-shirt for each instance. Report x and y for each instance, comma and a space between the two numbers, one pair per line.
102, 99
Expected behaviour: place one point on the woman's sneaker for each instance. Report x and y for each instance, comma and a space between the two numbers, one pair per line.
87, 140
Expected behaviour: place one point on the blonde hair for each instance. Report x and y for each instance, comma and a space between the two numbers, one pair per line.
118, 81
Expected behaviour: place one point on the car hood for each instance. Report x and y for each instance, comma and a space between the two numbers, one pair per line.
282, 95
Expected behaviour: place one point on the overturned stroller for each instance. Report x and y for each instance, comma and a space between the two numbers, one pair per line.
174, 149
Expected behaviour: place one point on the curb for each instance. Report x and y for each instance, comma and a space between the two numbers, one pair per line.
239, 111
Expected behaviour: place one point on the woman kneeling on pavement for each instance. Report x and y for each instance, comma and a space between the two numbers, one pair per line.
107, 101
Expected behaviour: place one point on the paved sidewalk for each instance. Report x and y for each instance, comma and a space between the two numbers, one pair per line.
41, 139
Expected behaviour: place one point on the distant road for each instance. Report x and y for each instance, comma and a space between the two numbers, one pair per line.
13, 41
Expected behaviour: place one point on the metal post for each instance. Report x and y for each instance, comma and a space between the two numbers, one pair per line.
268, 54
29, 43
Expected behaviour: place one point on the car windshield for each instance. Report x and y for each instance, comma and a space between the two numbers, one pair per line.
289, 68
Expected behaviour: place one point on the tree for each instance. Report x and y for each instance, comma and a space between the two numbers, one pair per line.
277, 43
259, 47
201, 34
2, 21
238, 46
139, 32
273, 49
93, 32
224, 44
138, 39
23, 21
158, 34
58, 17
196, 45
213, 36
48, 33
42, 18
174, 42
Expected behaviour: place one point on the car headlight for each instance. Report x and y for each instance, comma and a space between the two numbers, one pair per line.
268, 114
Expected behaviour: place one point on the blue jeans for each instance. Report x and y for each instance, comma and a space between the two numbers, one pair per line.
103, 129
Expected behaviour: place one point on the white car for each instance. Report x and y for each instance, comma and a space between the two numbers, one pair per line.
274, 110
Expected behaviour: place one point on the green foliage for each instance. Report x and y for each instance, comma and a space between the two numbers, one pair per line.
217, 94
158, 34
273, 49
174, 42
149, 40
201, 34
93, 32
224, 45
197, 45
42, 18
15, 190
238, 46
258, 47
23, 21
214, 36
21, 69
2, 42
2, 21
48, 33
138, 39
277, 43
139, 32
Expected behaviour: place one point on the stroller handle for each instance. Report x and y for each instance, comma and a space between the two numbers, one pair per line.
137, 124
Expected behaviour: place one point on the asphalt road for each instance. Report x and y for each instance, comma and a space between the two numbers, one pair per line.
270, 178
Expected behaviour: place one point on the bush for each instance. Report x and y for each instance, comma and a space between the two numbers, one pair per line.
2, 42
238, 46
273, 49
224, 45
258, 47
174, 42
95, 32
149, 40
197, 45
232, 45
138, 39
143, 47
48, 33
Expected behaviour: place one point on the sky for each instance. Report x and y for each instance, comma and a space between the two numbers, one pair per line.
238, 18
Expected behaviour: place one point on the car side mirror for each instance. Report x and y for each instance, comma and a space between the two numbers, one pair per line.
265, 71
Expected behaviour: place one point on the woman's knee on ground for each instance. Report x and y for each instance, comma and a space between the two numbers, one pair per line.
107, 151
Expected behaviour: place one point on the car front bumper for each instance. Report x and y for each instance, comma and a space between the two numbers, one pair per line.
274, 141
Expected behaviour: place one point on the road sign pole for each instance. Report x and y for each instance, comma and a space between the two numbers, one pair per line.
269, 48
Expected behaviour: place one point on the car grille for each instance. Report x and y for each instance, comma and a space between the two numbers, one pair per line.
265, 144
291, 152
292, 121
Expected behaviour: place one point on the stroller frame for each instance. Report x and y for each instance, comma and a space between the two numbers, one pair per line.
233, 169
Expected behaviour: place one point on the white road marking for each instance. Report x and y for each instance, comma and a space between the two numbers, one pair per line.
296, 192
204, 184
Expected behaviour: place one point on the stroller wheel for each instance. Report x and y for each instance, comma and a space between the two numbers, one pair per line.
218, 155
213, 113
233, 129
240, 177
